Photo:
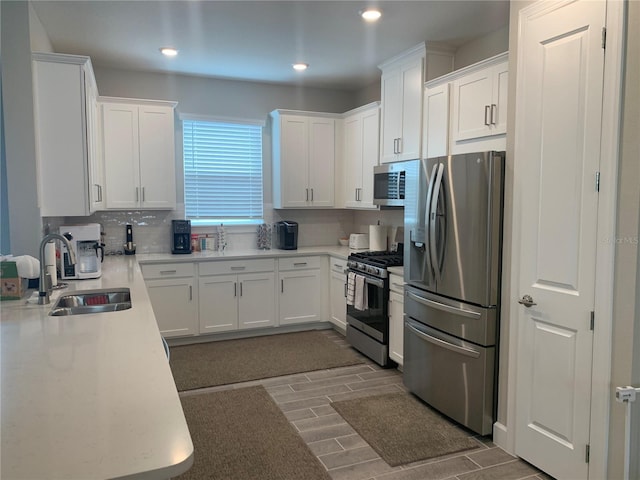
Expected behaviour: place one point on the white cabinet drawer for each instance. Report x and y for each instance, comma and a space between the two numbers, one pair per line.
396, 283
337, 265
298, 263
216, 267
167, 270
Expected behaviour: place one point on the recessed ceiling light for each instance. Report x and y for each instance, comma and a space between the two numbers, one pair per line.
371, 14
300, 66
169, 51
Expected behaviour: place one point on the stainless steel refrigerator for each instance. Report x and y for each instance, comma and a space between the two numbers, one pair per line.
453, 250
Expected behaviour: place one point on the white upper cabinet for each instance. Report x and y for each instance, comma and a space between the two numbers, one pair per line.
361, 133
435, 135
303, 159
69, 168
139, 153
479, 103
402, 86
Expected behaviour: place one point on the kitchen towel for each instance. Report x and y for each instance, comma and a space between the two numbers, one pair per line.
378, 238
351, 288
361, 301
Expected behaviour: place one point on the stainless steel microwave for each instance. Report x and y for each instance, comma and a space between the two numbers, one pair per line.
388, 184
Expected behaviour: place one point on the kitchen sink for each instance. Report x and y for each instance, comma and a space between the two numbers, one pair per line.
92, 301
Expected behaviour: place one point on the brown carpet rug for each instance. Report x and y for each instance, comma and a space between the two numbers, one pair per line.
233, 361
242, 435
402, 429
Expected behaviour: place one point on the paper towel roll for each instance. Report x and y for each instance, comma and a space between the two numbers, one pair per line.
377, 238
50, 262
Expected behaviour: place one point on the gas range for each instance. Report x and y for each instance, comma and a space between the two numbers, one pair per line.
374, 263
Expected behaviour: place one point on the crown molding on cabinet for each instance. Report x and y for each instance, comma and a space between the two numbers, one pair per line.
449, 77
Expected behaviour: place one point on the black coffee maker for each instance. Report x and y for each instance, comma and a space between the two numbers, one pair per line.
180, 236
287, 235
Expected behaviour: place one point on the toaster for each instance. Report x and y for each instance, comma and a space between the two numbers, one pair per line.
359, 241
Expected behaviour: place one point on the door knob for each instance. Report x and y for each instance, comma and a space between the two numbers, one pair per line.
527, 301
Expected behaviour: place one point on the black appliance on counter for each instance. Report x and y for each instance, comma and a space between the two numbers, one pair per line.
287, 235
180, 236
368, 329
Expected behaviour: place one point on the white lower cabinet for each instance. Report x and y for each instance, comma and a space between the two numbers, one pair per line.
232, 301
396, 319
301, 290
337, 298
174, 298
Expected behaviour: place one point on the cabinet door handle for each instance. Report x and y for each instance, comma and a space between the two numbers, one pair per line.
137, 194
494, 108
167, 272
399, 145
486, 115
190, 293
240, 288
307, 199
282, 285
395, 145
235, 289
312, 194
143, 194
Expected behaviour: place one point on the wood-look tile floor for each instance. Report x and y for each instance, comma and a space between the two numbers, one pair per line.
306, 401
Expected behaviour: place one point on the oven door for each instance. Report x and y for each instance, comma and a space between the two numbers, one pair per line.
374, 320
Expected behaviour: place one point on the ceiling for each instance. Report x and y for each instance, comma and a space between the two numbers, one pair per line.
260, 40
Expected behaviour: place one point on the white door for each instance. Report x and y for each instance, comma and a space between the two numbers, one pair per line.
352, 132
412, 88
396, 327
338, 302
435, 136
370, 154
300, 297
157, 157
558, 121
121, 155
218, 303
294, 161
256, 307
471, 105
322, 156
174, 306
391, 115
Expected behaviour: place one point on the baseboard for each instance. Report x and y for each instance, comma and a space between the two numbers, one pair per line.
254, 332
500, 436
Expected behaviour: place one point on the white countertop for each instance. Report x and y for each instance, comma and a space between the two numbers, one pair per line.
336, 251
396, 270
89, 396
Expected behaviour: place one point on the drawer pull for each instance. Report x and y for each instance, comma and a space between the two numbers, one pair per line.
337, 265
167, 272
299, 264
441, 343
238, 268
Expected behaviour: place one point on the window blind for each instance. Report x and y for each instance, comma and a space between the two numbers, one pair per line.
222, 170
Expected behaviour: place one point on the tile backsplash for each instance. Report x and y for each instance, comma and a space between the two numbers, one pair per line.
151, 228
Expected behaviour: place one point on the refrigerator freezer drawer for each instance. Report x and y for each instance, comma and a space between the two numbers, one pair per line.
453, 376
469, 322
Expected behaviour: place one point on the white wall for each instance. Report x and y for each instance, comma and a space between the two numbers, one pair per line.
626, 312
483, 47
17, 100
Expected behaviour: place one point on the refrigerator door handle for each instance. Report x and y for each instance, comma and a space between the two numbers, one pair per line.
427, 214
441, 343
432, 222
463, 312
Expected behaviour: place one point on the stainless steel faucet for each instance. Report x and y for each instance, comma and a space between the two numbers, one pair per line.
45, 278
